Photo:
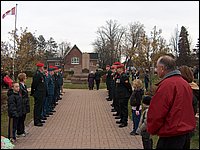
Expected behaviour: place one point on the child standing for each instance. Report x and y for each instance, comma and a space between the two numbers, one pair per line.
146, 138
135, 102
14, 110
25, 105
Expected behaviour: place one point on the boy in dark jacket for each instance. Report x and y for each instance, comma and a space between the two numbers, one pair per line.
14, 110
25, 105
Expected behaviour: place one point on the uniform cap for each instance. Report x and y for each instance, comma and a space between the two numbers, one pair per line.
116, 63
113, 67
51, 66
40, 65
56, 68
120, 66
50, 69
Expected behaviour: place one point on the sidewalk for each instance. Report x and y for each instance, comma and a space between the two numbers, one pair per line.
83, 119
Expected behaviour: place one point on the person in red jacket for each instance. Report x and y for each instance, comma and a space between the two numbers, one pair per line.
7, 80
170, 114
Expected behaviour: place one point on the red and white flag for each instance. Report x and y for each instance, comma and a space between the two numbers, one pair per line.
9, 12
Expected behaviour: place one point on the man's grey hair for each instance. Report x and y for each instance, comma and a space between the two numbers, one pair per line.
168, 62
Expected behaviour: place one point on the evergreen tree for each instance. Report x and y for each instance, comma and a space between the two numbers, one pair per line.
184, 48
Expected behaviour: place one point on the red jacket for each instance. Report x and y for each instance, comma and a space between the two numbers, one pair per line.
170, 112
8, 81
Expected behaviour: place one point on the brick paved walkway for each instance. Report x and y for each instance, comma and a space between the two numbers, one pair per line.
83, 119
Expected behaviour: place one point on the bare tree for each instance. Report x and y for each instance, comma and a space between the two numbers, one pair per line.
64, 47
109, 41
133, 38
174, 42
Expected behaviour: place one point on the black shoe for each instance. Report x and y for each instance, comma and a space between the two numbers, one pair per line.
44, 118
113, 110
108, 99
118, 122
122, 125
116, 114
132, 133
50, 113
111, 105
117, 117
46, 115
42, 121
38, 124
61, 94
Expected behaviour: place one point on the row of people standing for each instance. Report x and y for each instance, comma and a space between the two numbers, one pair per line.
46, 90
119, 90
171, 111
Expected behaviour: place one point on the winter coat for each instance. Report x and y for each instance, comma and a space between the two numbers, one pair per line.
7, 80
25, 98
170, 112
14, 104
91, 79
97, 75
136, 97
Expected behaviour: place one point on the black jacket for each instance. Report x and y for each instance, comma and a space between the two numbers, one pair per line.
136, 98
14, 104
25, 99
38, 86
123, 88
97, 75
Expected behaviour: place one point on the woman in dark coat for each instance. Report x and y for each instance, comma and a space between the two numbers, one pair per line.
91, 78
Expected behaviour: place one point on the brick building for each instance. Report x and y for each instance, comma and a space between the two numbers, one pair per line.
75, 58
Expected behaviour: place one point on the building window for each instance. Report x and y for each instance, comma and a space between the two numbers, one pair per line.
57, 64
74, 60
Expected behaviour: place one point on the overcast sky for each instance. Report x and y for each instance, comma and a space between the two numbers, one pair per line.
77, 21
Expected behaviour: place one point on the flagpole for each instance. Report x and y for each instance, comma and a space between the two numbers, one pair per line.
14, 43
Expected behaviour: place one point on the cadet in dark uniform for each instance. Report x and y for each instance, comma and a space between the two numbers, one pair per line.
60, 82
123, 91
108, 82
50, 91
56, 89
38, 91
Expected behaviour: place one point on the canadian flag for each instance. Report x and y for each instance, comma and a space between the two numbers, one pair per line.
9, 12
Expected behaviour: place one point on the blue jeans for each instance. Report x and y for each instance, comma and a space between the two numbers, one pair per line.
136, 119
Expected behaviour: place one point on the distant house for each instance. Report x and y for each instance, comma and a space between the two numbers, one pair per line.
75, 58
51, 61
